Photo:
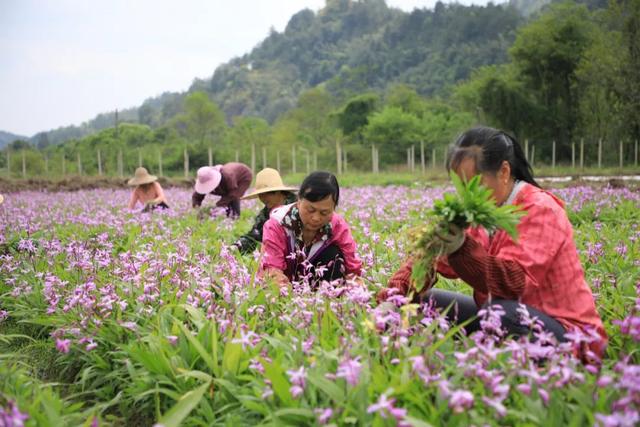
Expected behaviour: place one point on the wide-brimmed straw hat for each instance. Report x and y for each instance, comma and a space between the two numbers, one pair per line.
268, 180
208, 179
142, 176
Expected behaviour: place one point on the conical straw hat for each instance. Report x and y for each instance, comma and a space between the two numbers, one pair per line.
142, 176
268, 180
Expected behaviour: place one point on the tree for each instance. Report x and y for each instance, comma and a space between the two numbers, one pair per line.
393, 131
354, 115
547, 53
201, 120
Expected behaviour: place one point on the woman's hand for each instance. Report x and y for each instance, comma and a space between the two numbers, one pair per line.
277, 275
451, 239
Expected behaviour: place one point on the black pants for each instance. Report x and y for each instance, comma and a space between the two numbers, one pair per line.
328, 265
464, 308
233, 208
161, 205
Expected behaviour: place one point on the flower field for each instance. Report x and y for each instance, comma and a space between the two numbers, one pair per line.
109, 317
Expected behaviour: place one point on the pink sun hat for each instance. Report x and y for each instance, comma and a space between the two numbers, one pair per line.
208, 179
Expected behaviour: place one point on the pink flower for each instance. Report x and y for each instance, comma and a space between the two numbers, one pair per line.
384, 407
324, 415
63, 346
460, 400
350, 369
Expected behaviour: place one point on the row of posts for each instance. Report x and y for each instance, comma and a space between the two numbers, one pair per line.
341, 158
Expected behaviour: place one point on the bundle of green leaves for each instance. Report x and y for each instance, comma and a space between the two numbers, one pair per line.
471, 206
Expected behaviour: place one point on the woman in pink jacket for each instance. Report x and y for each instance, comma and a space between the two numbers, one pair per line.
307, 240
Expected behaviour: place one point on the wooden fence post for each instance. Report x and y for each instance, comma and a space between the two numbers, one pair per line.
581, 153
264, 157
46, 164
433, 158
9, 161
24, 165
79, 165
139, 158
120, 165
186, 163
373, 158
338, 157
160, 162
64, 166
409, 159
526, 149
344, 160
253, 158
573, 155
422, 167
237, 156
553, 155
308, 162
621, 154
599, 153
635, 156
278, 160
99, 164
293, 159
533, 154
413, 158
210, 153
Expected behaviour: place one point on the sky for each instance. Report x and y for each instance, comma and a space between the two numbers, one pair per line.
64, 61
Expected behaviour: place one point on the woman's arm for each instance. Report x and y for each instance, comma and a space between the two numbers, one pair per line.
515, 266
274, 251
344, 240
160, 197
133, 200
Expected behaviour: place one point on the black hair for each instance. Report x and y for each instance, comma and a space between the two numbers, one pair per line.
490, 147
318, 185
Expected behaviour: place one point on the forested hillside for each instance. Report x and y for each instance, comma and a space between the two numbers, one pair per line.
358, 76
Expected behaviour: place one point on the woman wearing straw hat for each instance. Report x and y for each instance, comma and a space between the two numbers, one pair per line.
148, 191
229, 181
273, 193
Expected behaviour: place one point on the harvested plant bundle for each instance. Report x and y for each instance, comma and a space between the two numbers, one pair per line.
471, 205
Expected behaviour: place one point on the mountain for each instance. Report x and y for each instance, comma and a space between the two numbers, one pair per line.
349, 47
7, 138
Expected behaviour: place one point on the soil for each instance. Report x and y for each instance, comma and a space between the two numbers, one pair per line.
74, 183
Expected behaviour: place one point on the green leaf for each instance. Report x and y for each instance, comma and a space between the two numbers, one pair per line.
274, 373
182, 409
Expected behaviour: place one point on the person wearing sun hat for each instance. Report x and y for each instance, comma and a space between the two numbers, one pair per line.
148, 191
272, 193
229, 181
1, 199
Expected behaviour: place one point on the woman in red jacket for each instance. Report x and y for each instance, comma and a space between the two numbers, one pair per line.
541, 270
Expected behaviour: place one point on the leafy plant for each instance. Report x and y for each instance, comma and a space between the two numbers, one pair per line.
471, 206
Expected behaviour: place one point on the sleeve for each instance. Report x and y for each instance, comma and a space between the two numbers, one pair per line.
133, 200
248, 242
344, 240
228, 191
274, 246
515, 266
196, 199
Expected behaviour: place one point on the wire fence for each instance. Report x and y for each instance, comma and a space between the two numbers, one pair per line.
184, 161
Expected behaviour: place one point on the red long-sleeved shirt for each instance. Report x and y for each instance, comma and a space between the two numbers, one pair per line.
541, 270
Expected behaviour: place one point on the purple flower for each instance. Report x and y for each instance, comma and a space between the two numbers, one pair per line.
460, 400
350, 369
63, 346
323, 415
12, 417
298, 381
384, 407
173, 339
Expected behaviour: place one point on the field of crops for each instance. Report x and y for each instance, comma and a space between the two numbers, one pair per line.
109, 317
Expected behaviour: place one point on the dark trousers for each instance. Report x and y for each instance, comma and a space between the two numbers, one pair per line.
331, 261
233, 208
465, 308
161, 205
